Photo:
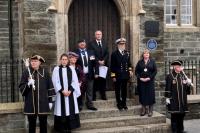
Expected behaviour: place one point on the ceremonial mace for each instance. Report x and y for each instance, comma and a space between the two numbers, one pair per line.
27, 64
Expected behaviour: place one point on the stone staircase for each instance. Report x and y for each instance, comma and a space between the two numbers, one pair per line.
108, 119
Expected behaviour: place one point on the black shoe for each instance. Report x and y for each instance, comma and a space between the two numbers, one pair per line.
104, 98
119, 107
92, 108
94, 99
125, 108
80, 108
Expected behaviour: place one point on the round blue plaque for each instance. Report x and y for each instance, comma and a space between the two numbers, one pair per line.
151, 44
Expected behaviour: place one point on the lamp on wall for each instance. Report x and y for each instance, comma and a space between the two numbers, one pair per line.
52, 8
141, 11
154, 2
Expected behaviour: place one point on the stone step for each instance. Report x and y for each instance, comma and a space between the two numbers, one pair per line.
4, 3
150, 128
17, 130
3, 8
120, 121
111, 112
109, 94
104, 113
112, 103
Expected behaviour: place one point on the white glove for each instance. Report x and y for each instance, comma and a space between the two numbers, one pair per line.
50, 105
189, 81
31, 82
167, 101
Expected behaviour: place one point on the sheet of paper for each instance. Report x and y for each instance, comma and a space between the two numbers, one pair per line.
103, 71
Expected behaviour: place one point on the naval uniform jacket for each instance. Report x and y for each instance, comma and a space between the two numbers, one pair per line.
120, 65
176, 91
36, 102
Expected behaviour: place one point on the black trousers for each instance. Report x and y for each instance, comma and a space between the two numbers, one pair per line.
32, 123
121, 91
99, 85
177, 122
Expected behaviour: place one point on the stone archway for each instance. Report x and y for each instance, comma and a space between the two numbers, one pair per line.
129, 11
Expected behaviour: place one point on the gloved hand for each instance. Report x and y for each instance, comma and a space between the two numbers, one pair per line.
50, 105
31, 82
167, 101
189, 81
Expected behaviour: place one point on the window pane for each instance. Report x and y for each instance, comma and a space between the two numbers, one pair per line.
186, 11
173, 2
173, 10
167, 9
170, 11
167, 2
168, 19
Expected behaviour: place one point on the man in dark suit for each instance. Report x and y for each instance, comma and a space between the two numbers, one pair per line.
101, 52
121, 71
87, 62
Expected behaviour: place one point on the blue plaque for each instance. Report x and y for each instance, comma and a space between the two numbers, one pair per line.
152, 44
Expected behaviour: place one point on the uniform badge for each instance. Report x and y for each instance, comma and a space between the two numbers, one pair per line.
92, 57
174, 81
145, 70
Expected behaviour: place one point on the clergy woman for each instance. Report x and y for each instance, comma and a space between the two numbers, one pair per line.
145, 72
66, 112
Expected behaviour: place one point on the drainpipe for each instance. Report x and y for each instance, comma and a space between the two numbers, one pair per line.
10, 24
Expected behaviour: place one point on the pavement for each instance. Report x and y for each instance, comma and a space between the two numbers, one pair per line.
192, 126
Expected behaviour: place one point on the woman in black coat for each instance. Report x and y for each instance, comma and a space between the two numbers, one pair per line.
145, 72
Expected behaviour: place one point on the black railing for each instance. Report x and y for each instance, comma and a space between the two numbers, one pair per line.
191, 69
9, 80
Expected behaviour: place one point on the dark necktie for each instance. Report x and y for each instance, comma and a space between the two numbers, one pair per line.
122, 52
84, 58
100, 48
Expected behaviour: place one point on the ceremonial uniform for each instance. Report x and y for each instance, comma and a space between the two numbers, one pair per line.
176, 92
36, 100
120, 67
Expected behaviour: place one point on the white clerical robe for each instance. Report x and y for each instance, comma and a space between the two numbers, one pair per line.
57, 86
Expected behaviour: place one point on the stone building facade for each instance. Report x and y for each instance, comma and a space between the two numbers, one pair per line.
38, 31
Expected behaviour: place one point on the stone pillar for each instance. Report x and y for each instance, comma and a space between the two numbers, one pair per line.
21, 27
198, 13
134, 38
61, 29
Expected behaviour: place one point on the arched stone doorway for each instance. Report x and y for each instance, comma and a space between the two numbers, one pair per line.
87, 16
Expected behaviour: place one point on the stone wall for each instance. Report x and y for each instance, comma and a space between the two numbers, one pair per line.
39, 30
176, 41
11, 118
4, 30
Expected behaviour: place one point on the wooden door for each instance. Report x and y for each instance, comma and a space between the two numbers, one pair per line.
87, 16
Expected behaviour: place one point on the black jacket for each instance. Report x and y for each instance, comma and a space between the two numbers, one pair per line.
92, 63
37, 101
176, 91
120, 65
100, 55
146, 90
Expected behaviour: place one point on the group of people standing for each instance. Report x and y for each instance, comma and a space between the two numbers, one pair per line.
77, 78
